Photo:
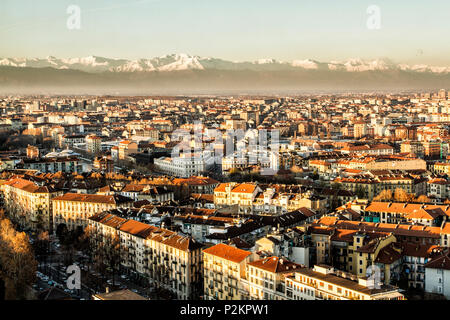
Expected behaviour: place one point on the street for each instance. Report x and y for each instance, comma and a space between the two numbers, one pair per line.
53, 272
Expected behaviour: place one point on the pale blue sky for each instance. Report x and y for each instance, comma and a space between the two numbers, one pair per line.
411, 31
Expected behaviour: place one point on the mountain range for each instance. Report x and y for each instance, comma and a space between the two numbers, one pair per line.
177, 62
186, 74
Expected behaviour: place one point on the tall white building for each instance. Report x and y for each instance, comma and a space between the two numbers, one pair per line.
186, 165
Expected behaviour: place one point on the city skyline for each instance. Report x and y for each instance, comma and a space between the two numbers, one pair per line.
410, 32
170, 151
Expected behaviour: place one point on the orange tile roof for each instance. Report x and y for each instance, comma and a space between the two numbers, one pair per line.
244, 188
396, 229
275, 265
227, 252
148, 232
220, 187
411, 209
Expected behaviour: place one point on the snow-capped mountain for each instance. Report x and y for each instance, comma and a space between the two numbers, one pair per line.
176, 62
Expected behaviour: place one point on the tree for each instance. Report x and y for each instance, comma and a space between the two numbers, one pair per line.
296, 169
17, 262
402, 196
384, 195
19, 141
86, 243
336, 186
61, 231
360, 192
105, 251
111, 251
42, 243
40, 219
423, 198
234, 171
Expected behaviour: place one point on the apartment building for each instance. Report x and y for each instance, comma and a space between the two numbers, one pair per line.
412, 147
155, 255
415, 257
324, 283
378, 149
354, 251
272, 200
201, 226
74, 209
437, 275
439, 189
183, 166
407, 213
53, 165
266, 278
29, 203
226, 194
224, 269
369, 186
442, 168
93, 144
246, 158
69, 141
403, 232
126, 148
103, 164
197, 184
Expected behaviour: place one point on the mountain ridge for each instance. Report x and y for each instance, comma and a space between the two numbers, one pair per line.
182, 61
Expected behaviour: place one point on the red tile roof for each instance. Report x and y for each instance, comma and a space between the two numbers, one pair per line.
275, 265
227, 252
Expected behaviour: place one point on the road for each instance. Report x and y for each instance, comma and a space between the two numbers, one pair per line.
55, 274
